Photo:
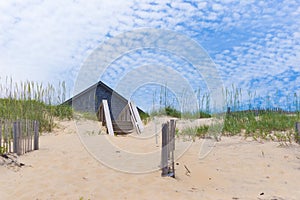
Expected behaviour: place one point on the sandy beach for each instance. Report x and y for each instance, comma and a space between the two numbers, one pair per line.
236, 168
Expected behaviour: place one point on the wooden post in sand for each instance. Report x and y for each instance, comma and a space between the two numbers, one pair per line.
36, 135
164, 150
172, 145
297, 128
168, 147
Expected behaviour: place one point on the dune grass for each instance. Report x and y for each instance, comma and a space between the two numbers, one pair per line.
266, 125
265, 122
193, 132
33, 101
173, 112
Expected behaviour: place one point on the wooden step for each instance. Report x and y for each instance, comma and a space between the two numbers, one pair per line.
122, 127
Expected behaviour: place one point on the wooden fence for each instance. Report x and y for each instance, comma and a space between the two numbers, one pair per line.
19, 137
168, 148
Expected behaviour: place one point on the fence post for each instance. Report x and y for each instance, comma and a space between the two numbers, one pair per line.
297, 128
168, 145
16, 138
36, 134
26, 137
172, 134
6, 138
172, 147
20, 138
29, 134
164, 150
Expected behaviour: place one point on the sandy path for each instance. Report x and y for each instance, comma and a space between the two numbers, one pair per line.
235, 169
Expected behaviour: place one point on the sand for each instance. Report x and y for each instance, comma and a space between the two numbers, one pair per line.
236, 168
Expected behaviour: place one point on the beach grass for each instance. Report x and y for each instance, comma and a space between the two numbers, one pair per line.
264, 122
173, 112
33, 101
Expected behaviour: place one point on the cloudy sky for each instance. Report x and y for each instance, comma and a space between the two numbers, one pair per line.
254, 45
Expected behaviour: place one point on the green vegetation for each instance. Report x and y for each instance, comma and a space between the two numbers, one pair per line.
166, 105
196, 115
172, 112
200, 131
264, 125
144, 116
33, 101
82, 198
267, 123
86, 115
63, 111
3, 150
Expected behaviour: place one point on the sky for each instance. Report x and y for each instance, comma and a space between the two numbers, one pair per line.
253, 45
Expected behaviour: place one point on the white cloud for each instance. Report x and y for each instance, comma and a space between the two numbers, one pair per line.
49, 34
202, 5
217, 7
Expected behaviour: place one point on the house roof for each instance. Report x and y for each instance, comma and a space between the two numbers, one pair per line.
96, 85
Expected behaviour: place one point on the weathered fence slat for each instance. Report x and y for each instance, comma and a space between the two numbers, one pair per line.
7, 137
28, 136
3, 137
25, 136
31, 140
19, 152
16, 137
168, 139
25, 140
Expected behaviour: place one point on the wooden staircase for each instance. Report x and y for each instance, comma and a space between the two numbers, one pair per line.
122, 127
128, 120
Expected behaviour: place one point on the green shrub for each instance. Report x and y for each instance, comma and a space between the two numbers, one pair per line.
63, 111
144, 116
172, 112
201, 131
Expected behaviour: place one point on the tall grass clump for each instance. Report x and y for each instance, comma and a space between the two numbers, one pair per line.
33, 101
173, 112
166, 105
266, 121
194, 132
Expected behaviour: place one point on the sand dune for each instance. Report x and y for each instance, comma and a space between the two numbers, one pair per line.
235, 169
